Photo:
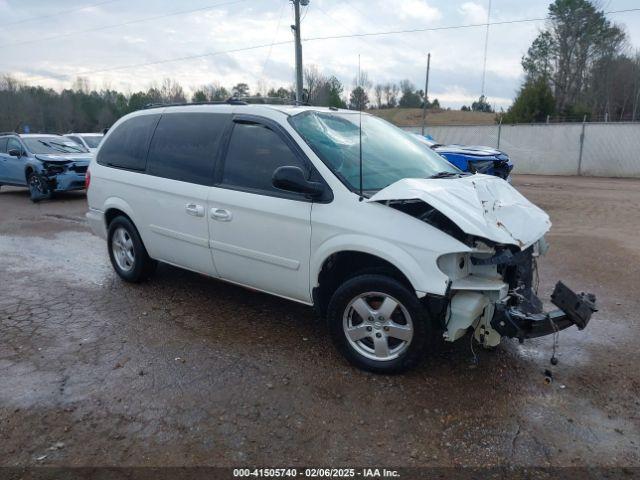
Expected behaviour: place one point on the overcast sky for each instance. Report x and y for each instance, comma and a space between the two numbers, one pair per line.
69, 40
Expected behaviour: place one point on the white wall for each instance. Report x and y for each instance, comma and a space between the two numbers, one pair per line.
609, 149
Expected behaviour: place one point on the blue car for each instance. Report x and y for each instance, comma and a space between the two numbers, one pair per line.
44, 163
485, 160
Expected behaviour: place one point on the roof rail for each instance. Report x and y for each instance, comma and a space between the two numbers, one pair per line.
9, 133
229, 101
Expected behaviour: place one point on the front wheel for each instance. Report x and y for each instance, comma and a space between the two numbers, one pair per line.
378, 324
38, 188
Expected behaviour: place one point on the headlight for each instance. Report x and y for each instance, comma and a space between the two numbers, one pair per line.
54, 169
454, 265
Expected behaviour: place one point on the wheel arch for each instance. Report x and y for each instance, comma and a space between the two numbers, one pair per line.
116, 206
28, 171
336, 261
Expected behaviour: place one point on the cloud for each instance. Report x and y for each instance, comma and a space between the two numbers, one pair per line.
456, 62
419, 10
473, 12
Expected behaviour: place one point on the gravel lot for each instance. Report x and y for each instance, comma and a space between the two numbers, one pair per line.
186, 370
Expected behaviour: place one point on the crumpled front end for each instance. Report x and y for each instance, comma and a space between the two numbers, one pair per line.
493, 291
493, 282
61, 177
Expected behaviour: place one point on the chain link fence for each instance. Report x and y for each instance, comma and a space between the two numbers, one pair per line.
588, 148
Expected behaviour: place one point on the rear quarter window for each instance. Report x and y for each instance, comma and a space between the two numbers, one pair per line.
128, 144
3, 145
185, 145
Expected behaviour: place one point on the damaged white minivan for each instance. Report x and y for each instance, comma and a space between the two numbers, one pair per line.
390, 243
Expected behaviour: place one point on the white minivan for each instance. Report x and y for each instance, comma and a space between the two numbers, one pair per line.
332, 208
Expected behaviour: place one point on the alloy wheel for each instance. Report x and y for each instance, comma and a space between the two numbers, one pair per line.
122, 246
377, 326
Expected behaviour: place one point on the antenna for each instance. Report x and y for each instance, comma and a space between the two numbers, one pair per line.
360, 126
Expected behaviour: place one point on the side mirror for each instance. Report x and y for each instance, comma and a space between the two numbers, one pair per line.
292, 179
14, 152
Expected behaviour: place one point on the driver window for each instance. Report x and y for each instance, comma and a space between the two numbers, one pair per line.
255, 152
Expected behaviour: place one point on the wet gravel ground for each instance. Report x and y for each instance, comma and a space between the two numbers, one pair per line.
186, 370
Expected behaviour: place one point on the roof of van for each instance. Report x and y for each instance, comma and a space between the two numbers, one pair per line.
252, 107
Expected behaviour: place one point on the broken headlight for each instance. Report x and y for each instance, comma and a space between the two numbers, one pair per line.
54, 168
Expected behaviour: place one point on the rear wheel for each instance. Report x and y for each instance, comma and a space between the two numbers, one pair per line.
127, 253
378, 324
38, 188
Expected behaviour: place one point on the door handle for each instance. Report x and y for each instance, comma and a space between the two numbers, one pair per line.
221, 214
195, 210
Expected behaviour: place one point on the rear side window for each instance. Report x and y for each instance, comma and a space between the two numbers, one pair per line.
184, 146
3, 145
254, 153
127, 145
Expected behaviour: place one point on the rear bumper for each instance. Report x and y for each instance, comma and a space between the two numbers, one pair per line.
95, 219
573, 309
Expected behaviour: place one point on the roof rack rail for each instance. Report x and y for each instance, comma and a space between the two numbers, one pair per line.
229, 101
9, 133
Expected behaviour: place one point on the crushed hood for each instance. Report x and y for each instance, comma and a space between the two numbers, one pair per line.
478, 151
481, 205
80, 158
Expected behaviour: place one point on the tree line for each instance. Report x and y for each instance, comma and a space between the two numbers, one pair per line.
85, 109
578, 66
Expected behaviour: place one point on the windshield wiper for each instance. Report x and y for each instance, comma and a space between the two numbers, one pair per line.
444, 175
47, 144
69, 148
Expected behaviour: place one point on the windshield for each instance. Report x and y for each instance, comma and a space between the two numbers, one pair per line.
92, 141
388, 153
52, 145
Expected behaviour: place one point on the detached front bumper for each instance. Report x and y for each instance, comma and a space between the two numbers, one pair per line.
531, 321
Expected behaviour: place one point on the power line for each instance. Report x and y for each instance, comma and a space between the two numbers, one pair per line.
447, 27
188, 57
275, 37
57, 14
287, 42
115, 25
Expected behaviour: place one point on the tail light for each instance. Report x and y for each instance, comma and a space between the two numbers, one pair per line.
87, 179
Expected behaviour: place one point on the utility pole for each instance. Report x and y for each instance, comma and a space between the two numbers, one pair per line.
426, 94
296, 31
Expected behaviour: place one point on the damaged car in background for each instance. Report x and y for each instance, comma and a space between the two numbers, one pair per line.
474, 159
45, 164
337, 209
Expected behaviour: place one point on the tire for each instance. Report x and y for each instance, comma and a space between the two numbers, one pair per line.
366, 295
38, 188
128, 256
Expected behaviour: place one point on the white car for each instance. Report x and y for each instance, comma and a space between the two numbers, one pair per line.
386, 239
88, 140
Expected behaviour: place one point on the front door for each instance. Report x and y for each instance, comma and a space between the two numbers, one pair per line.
260, 236
12, 168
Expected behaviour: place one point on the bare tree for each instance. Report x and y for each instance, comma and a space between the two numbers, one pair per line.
171, 92
378, 90
314, 81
